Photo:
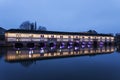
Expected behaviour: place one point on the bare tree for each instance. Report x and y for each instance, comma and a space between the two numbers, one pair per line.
25, 25
28, 26
92, 31
42, 28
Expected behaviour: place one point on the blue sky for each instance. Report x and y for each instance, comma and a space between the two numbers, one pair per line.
63, 15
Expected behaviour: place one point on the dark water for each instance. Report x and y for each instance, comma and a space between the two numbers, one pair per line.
83, 64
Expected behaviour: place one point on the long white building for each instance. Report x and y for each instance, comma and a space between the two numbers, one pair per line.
16, 37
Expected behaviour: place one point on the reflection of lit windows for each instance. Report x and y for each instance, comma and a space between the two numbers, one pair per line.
55, 54
18, 52
49, 54
76, 48
31, 52
30, 55
60, 50
17, 40
45, 54
42, 51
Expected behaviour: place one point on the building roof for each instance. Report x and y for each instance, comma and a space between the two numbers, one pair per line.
54, 32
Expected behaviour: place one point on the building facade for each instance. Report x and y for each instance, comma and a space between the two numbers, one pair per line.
43, 39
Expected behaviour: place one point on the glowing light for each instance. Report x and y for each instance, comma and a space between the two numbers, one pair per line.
18, 48
31, 48
30, 55
52, 48
77, 41
89, 42
61, 46
83, 42
31, 52
42, 51
60, 50
83, 46
41, 48
70, 42
101, 43
76, 48
89, 46
17, 52
69, 47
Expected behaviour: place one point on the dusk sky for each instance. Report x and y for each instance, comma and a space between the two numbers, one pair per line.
63, 15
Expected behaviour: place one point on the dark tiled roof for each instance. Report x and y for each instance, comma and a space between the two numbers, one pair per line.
54, 32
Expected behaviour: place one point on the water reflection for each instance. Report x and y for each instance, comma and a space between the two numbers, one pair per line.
118, 48
102, 67
13, 55
2, 51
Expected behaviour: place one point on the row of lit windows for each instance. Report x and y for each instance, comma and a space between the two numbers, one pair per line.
29, 39
54, 36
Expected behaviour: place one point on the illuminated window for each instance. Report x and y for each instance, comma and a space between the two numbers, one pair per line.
31, 36
17, 39
18, 35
